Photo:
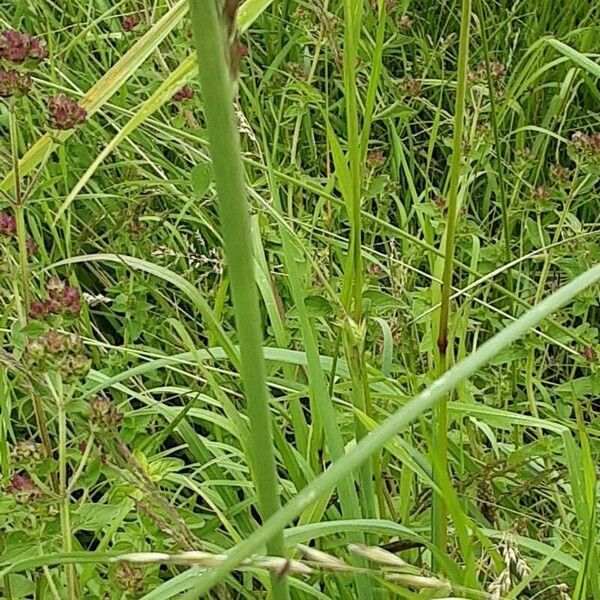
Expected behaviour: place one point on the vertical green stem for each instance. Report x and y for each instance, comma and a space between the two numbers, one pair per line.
440, 416
494, 122
63, 490
352, 292
351, 11
65, 514
19, 208
18, 201
235, 228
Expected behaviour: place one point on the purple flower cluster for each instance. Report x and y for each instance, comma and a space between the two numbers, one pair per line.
23, 489
18, 47
57, 351
19, 50
62, 299
8, 224
64, 113
130, 23
185, 93
23, 51
13, 83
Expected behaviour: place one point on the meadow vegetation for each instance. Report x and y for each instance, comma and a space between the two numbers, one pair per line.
299, 299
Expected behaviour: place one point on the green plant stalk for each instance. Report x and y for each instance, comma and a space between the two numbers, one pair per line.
65, 509
320, 393
352, 297
18, 202
365, 448
440, 416
19, 210
495, 129
65, 514
318, 387
353, 276
235, 228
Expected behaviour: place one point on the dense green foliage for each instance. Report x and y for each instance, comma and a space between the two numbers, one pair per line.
131, 421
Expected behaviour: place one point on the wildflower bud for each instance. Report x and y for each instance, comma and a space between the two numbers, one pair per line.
130, 22
375, 158
71, 300
129, 578
405, 22
479, 74
31, 246
53, 341
8, 224
35, 350
185, 93
54, 284
75, 366
589, 354
18, 47
586, 147
53, 306
559, 173
103, 413
13, 83
541, 193
411, 87
23, 489
26, 452
73, 343
498, 70
65, 114
37, 311
580, 140
439, 201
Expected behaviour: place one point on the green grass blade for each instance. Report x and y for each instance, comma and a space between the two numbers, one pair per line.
392, 426
217, 96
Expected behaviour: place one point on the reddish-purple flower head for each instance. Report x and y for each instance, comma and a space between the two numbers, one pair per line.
18, 47
185, 93
37, 311
13, 83
23, 489
130, 22
31, 246
65, 114
71, 300
8, 224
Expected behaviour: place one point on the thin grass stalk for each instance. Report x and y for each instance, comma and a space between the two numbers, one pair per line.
18, 202
63, 492
319, 391
495, 130
324, 414
23, 275
217, 94
368, 446
440, 416
352, 291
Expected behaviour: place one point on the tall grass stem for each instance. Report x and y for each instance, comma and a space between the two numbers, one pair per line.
217, 95
440, 418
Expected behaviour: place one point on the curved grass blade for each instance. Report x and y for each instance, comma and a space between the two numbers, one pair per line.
391, 427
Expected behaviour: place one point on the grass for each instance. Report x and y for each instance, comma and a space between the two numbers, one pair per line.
260, 277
